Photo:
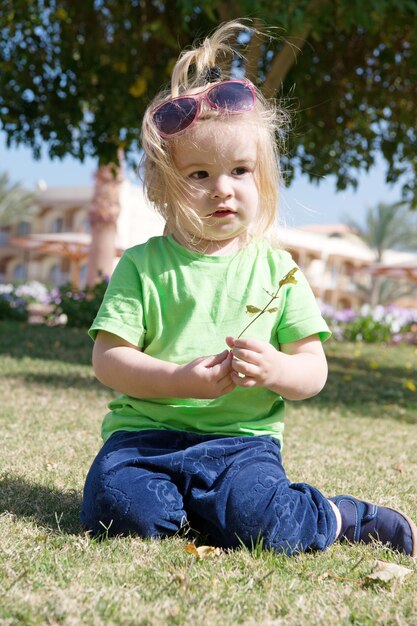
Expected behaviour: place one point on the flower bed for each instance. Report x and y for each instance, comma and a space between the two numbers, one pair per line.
381, 324
78, 306
15, 301
34, 302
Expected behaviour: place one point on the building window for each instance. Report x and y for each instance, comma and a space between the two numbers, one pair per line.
57, 225
86, 226
20, 273
83, 276
4, 236
23, 228
56, 277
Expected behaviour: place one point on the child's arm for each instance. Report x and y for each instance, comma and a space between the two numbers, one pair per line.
299, 371
123, 367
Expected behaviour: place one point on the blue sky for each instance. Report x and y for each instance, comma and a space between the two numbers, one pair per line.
301, 203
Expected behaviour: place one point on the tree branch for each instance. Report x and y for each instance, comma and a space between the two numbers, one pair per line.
228, 10
283, 61
292, 47
253, 51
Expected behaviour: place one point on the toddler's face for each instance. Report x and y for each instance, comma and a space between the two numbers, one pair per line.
217, 160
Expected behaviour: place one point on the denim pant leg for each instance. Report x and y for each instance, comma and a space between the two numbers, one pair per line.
128, 491
240, 492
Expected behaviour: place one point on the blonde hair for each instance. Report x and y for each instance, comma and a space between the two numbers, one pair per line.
163, 185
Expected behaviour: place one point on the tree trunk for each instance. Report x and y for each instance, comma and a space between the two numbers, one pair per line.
253, 51
229, 10
283, 61
286, 57
103, 215
375, 292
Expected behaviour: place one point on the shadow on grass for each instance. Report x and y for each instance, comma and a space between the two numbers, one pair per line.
19, 340
54, 510
372, 391
367, 380
60, 381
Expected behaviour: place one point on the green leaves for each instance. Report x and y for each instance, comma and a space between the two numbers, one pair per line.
15, 202
252, 310
91, 69
289, 278
352, 88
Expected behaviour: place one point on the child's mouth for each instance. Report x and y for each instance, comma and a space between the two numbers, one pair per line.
223, 213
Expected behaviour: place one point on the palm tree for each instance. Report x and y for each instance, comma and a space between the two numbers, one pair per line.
104, 212
387, 227
15, 201
385, 291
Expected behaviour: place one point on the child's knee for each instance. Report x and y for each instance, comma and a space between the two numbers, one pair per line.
112, 512
284, 517
125, 505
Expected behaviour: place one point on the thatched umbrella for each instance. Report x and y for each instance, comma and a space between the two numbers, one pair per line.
72, 246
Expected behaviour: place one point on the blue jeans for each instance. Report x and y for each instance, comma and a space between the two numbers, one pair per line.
233, 489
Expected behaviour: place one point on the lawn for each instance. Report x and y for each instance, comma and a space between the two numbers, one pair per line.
359, 436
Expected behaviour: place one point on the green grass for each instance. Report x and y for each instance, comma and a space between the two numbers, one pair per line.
359, 436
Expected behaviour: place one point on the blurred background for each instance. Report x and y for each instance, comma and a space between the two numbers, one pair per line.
76, 77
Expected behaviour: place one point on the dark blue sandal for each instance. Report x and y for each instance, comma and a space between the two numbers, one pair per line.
366, 522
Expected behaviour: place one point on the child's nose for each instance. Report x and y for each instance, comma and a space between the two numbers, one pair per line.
221, 187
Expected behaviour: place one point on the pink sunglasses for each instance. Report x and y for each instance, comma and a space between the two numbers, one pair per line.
177, 114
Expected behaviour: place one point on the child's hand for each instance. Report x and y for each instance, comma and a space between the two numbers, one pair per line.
297, 371
206, 377
255, 363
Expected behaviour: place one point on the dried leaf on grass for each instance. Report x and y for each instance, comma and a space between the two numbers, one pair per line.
202, 552
383, 572
386, 572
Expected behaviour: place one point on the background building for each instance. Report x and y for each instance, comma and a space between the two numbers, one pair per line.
52, 247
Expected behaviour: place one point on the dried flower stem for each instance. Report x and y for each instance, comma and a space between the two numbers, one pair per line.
288, 278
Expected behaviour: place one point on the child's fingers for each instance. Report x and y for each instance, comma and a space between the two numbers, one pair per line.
254, 345
249, 356
220, 369
217, 359
227, 385
230, 342
245, 381
244, 367
222, 377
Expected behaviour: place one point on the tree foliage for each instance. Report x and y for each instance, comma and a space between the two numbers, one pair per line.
78, 74
351, 84
388, 227
15, 201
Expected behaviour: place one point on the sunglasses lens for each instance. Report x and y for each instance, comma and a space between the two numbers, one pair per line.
175, 116
235, 97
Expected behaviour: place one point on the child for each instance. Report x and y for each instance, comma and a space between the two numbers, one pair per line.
195, 439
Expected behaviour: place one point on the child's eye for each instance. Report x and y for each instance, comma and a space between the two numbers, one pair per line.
199, 175
239, 171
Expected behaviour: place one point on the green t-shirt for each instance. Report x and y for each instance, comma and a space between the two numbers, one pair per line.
178, 305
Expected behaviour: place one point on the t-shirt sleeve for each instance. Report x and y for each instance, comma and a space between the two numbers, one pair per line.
301, 316
121, 311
